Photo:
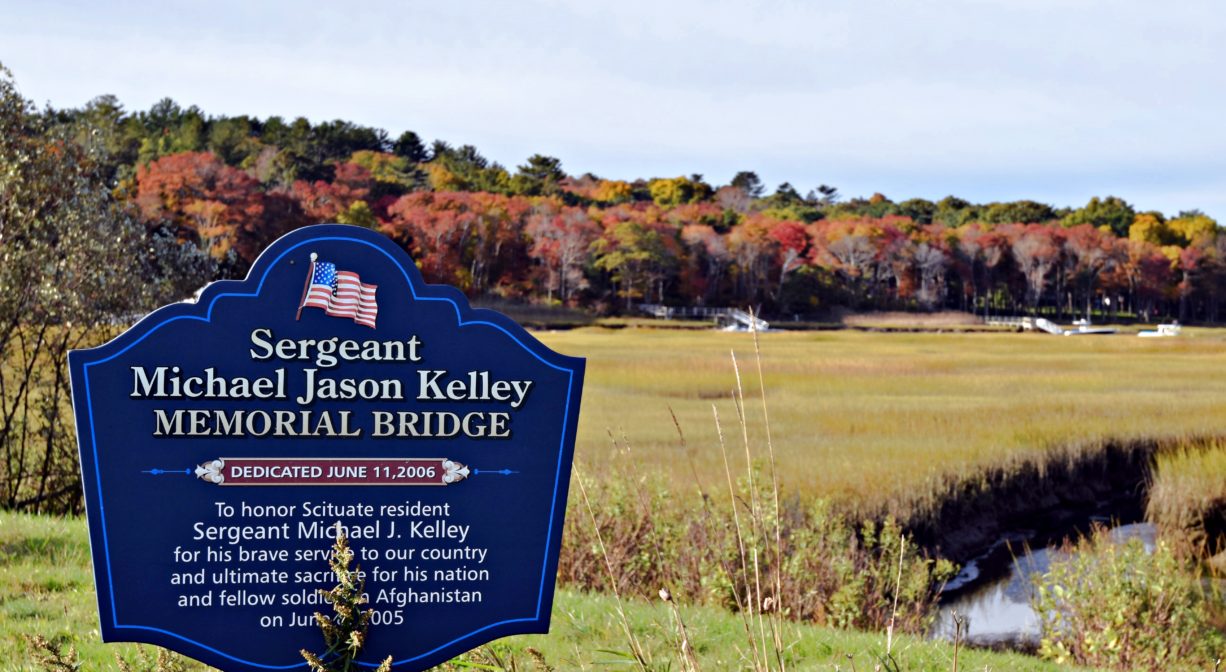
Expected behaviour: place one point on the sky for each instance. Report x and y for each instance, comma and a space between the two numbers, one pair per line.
1052, 100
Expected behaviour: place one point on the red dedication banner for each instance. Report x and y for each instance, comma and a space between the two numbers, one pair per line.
331, 471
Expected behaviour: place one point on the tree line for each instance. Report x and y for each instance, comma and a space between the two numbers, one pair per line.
218, 189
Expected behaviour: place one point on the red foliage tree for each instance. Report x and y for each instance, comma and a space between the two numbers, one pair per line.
791, 244
707, 259
560, 243
1036, 249
1091, 252
324, 201
475, 241
203, 199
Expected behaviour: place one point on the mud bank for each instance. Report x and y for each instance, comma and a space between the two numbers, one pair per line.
1040, 502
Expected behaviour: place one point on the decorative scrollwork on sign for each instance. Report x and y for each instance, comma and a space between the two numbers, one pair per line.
454, 472
211, 471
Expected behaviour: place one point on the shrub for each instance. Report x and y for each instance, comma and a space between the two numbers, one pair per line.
1118, 606
832, 571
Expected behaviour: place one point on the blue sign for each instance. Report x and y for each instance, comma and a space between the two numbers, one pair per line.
222, 441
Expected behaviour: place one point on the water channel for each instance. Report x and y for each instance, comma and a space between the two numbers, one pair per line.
993, 591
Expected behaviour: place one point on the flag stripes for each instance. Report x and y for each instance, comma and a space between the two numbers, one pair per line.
342, 294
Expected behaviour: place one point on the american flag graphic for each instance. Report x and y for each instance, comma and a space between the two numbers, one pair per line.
341, 294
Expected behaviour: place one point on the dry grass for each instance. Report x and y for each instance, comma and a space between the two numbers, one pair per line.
948, 318
887, 422
1188, 493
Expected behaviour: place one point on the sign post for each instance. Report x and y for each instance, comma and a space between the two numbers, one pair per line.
222, 441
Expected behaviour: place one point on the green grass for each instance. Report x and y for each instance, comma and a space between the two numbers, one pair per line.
46, 588
584, 623
887, 421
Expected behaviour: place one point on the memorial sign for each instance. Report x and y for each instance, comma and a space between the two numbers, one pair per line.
222, 441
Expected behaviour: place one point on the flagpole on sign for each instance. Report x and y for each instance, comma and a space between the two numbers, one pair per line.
306, 286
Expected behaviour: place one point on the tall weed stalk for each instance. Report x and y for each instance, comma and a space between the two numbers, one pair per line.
767, 558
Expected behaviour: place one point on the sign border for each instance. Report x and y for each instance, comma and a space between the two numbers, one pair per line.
80, 362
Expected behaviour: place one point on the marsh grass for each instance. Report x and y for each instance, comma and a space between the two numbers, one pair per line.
949, 318
885, 424
586, 635
1188, 494
749, 552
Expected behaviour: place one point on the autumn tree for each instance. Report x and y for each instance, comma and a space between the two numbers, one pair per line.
980, 252
755, 252
671, 191
791, 244
708, 259
733, 199
1092, 252
560, 243
613, 192
1188, 263
325, 200
200, 198
847, 248
435, 228
497, 259
637, 257
1190, 227
1144, 273
473, 241
1150, 227
1036, 249
931, 258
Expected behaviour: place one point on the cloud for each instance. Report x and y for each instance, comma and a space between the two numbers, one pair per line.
1008, 99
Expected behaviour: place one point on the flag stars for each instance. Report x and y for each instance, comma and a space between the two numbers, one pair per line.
341, 294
